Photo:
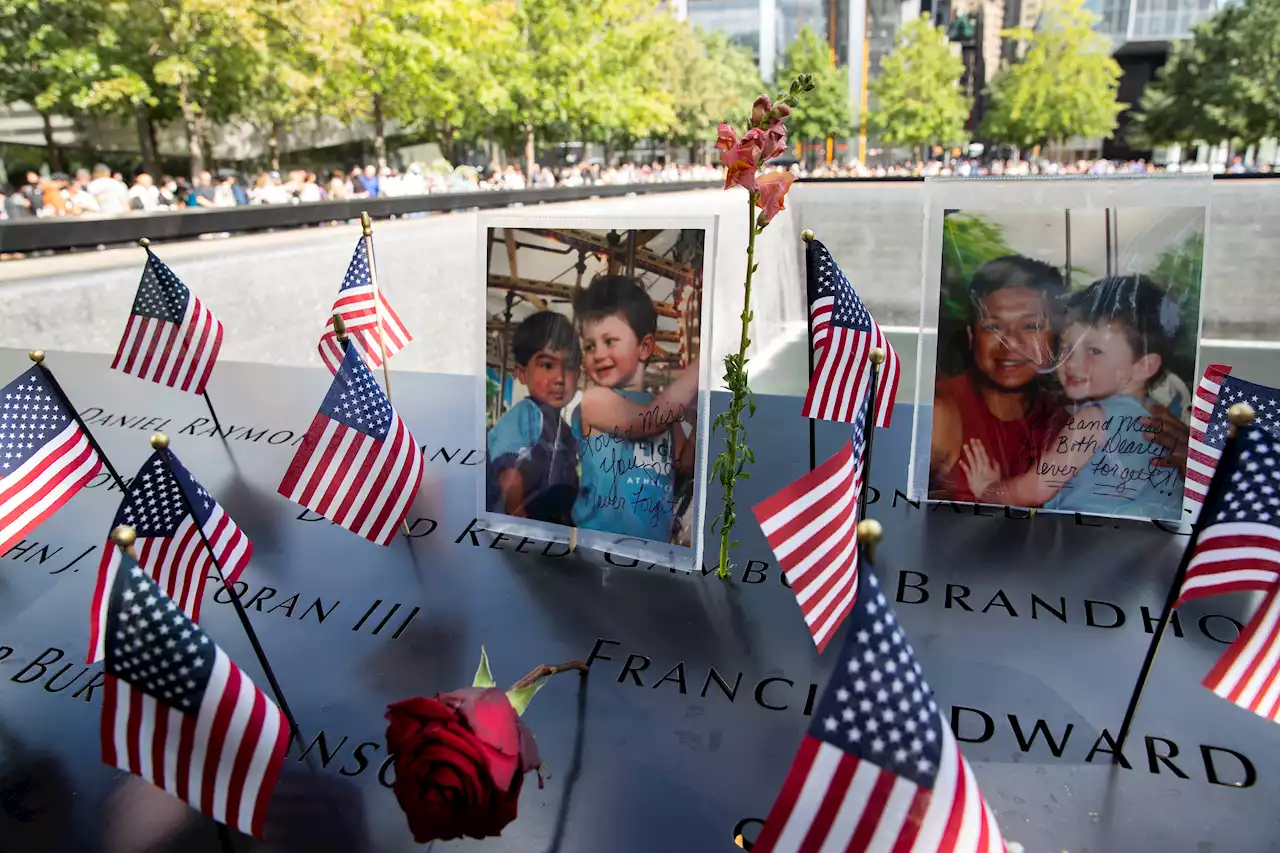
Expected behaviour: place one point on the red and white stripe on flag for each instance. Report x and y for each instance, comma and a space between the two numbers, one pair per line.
1248, 673
1233, 556
812, 527
223, 760
843, 371
40, 486
358, 311
180, 355
1202, 458
180, 564
834, 801
353, 479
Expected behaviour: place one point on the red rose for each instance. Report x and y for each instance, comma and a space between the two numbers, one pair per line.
460, 762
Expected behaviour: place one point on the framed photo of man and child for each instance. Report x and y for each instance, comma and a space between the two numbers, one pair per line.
1066, 358
594, 387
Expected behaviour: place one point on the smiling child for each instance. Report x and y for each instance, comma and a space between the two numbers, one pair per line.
1115, 346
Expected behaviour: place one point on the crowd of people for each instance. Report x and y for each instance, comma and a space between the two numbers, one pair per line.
103, 192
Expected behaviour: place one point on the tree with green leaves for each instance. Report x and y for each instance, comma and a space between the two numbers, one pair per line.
1065, 85
918, 96
710, 78
389, 60
826, 111
1223, 83
156, 61
31, 32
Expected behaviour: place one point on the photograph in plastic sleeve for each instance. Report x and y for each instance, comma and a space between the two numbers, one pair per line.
592, 345
1067, 344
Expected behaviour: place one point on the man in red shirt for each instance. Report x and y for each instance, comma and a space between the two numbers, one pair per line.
1007, 398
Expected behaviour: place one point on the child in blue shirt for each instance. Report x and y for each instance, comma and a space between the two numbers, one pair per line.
1117, 340
632, 443
533, 454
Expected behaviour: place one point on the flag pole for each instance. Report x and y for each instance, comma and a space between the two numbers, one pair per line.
340, 333
367, 224
1240, 415
870, 532
876, 357
807, 235
160, 443
146, 244
37, 356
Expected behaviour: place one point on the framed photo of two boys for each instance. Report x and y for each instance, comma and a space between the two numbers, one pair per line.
1066, 362
594, 378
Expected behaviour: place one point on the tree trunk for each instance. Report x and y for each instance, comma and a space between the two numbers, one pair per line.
273, 143
495, 161
189, 120
528, 152
379, 132
446, 144
50, 144
146, 141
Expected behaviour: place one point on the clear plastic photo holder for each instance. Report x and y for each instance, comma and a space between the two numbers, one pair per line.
1115, 228
619, 550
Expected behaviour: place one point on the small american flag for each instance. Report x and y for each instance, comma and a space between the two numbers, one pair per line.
171, 338
179, 713
360, 309
1202, 455
1248, 673
45, 458
879, 770
358, 466
1239, 548
812, 527
844, 333
169, 544
1218, 392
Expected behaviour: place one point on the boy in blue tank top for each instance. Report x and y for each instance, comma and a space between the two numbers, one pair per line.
1117, 340
533, 453
631, 443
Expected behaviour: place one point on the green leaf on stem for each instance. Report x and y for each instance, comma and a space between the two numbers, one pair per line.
484, 678
520, 699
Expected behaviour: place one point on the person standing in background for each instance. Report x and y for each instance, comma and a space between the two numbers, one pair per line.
371, 183
112, 195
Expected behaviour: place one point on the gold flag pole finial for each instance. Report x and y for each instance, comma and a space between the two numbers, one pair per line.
340, 327
876, 355
144, 242
869, 533
807, 235
36, 355
124, 536
159, 441
366, 223
1241, 414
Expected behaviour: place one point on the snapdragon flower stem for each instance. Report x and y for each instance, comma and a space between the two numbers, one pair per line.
735, 454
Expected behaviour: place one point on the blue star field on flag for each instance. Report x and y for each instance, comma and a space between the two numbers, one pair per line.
356, 400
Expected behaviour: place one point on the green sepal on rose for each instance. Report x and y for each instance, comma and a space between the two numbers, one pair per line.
519, 697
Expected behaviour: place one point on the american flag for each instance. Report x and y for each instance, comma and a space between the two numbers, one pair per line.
360, 310
169, 544
1202, 455
358, 466
1248, 673
879, 770
844, 333
171, 338
1239, 546
45, 458
179, 713
812, 527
